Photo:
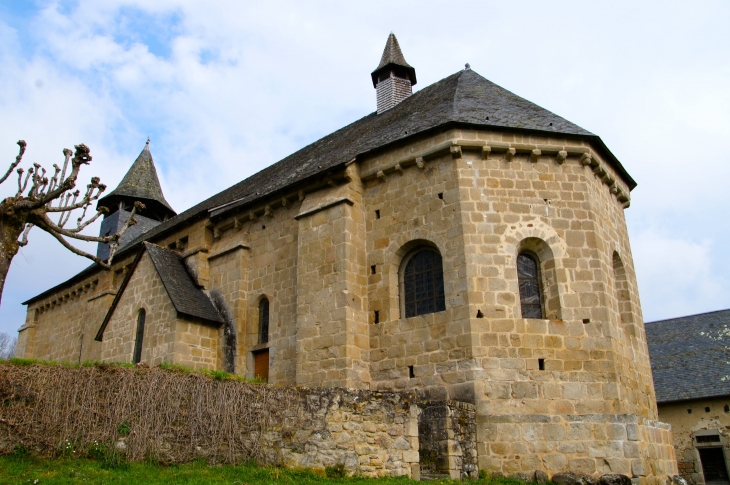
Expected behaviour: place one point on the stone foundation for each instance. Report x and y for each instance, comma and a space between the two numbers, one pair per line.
586, 444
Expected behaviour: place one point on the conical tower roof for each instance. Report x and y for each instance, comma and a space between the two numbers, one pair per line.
140, 184
393, 60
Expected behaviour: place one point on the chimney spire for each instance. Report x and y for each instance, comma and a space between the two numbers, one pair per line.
394, 77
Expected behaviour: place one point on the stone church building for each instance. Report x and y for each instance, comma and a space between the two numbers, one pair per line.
460, 241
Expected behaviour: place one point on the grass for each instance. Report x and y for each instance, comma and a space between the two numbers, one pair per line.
65, 471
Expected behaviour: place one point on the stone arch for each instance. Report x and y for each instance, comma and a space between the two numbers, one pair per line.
622, 291
263, 318
401, 250
543, 242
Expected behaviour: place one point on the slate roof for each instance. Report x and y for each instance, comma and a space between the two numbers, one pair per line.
140, 183
393, 59
462, 99
187, 298
687, 358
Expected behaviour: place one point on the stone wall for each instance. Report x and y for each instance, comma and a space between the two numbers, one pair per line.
587, 444
371, 433
178, 417
447, 439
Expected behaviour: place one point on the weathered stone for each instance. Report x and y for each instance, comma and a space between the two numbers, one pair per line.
541, 478
614, 479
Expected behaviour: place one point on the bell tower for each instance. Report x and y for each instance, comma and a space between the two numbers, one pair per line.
139, 184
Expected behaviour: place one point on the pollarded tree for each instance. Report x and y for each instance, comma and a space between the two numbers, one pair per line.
41, 195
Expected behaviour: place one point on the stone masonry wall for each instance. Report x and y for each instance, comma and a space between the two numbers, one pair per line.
371, 433
589, 444
447, 439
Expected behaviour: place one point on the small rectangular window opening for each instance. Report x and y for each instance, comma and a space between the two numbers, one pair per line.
541, 364
376, 318
689, 411
711, 438
707, 409
373, 269
441, 195
377, 214
586, 320
411, 374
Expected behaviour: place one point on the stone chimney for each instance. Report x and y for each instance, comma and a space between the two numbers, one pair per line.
394, 77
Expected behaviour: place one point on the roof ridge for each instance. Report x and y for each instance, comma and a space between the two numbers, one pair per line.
687, 316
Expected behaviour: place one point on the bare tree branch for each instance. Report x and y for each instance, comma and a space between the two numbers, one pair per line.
54, 194
18, 159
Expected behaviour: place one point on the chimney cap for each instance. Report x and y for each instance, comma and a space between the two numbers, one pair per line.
393, 60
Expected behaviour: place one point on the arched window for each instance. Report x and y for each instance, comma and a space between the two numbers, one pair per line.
137, 357
263, 321
621, 287
423, 283
528, 276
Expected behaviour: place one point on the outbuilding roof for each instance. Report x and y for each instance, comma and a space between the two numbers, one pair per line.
187, 298
690, 356
462, 99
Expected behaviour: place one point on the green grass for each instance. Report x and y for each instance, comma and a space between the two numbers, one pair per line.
66, 471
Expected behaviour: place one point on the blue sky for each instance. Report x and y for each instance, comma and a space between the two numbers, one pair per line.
226, 88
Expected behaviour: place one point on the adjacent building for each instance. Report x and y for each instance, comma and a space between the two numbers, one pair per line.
690, 358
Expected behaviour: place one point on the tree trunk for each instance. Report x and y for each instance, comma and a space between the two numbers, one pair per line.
11, 226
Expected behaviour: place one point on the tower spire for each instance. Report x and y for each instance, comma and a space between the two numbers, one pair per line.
140, 184
394, 77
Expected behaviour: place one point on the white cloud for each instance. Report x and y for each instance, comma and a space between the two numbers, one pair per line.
677, 277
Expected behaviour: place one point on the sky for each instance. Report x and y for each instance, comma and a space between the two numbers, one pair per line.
226, 88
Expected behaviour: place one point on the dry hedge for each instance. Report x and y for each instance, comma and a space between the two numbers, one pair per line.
159, 414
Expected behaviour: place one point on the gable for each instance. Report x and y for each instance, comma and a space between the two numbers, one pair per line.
175, 282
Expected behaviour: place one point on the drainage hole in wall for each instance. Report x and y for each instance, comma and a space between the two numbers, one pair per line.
377, 214
707, 410
263, 226
411, 374
373, 269
441, 195
541, 364
689, 411
376, 317
586, 320
727, 408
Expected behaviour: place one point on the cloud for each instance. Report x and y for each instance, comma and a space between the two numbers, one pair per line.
677, 277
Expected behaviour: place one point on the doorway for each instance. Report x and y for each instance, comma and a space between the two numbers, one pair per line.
713, 466
261, 364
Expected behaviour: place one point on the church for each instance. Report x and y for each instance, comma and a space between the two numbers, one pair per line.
460, 241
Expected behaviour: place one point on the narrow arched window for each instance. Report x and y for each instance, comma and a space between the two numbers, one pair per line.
423, 283
137, 357
528, 276
263, 321
622, 290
